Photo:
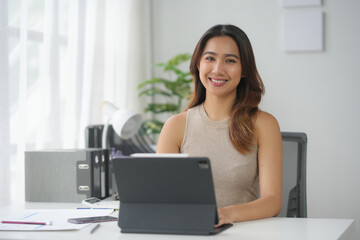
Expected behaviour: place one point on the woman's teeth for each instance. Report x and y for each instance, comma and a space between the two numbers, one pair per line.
217, 81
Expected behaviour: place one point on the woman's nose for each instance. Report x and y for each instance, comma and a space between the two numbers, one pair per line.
218, 68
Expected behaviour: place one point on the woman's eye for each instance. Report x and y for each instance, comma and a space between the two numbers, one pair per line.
209, 58
230, 61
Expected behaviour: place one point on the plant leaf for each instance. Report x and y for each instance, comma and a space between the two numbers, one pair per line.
161, 107
152, 81
183, 57
183, 91
173, 69
187, 81
152, 126
153, 92
182, 77
175, 61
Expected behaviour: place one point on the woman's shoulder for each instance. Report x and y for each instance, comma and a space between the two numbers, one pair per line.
177, 120
263, 117
172, 133
266, 124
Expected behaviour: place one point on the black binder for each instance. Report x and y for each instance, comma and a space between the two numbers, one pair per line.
166, 195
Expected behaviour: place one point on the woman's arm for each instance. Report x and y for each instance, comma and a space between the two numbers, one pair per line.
270, 175
171, 135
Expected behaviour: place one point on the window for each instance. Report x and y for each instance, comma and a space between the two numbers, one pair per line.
59, 59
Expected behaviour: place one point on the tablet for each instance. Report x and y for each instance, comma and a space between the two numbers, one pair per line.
173, 195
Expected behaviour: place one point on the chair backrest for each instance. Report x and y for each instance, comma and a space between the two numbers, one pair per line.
294, 175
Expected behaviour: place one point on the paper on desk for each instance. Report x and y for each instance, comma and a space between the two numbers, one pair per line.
58, 217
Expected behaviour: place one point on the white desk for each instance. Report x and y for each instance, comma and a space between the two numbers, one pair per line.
271, 228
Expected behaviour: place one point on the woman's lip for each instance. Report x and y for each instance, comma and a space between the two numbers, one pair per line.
218, 79
217, 82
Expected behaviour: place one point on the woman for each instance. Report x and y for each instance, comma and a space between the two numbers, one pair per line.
223, 122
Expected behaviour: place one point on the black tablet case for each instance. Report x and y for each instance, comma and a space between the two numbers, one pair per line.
166, 195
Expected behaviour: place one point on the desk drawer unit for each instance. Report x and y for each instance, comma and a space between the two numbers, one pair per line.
66, 175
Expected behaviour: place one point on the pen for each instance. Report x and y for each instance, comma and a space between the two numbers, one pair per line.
94, 228
23, 222
93, 208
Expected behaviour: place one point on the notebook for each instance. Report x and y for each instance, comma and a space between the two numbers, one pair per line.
167, 194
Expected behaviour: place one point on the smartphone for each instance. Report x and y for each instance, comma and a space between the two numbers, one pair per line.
94, 202
91, 201
92, 219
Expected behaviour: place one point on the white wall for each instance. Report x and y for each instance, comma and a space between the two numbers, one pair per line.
311, 92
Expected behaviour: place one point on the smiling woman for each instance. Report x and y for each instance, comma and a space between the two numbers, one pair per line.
220, 67
223, 122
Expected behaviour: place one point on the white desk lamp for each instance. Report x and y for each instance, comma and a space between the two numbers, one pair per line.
125, 122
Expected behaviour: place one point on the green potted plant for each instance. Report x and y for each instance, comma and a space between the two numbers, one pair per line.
174, 92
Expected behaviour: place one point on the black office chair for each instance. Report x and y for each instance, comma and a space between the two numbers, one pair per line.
294, 175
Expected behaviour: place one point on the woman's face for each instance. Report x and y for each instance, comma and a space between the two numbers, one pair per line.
220, 67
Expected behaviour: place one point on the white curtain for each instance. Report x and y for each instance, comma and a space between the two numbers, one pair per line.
59, 60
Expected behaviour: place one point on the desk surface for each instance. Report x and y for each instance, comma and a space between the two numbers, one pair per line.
271, 228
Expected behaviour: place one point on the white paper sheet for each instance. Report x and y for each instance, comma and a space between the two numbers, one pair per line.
58, 217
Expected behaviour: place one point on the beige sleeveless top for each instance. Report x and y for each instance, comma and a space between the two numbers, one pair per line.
235, 175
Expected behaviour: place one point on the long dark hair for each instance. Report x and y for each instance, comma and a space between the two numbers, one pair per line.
248, 93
